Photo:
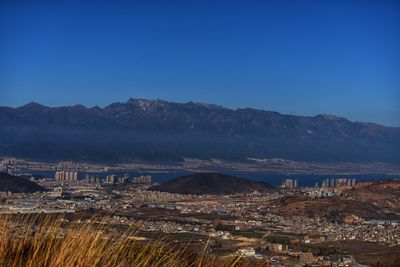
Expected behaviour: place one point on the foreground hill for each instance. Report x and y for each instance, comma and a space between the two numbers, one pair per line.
212, 183
159, 130
16, 184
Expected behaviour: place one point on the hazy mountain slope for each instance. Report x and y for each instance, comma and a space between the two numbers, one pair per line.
160, 130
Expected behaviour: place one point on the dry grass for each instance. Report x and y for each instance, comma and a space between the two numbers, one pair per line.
44, 242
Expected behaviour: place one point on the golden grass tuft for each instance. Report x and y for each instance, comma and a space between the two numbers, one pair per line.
43, 241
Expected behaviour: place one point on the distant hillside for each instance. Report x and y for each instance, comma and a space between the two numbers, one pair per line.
393, 185
211, 183
158, 130
371, 200
16, 184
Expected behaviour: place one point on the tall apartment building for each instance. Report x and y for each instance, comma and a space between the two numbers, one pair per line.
111, 179
59, 176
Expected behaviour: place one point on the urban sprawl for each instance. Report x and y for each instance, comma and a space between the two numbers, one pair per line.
246, 225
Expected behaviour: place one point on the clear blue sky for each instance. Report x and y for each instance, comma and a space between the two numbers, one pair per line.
296, 57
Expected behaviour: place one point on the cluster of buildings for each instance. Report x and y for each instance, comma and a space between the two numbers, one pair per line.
92, 179
144, 179
323, 192
8, 162
338, 182
8, 165
289, 183
113, 179
66, 176
376, 231
67, 165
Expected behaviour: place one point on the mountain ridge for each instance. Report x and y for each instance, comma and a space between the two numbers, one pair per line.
162, 130
152, 102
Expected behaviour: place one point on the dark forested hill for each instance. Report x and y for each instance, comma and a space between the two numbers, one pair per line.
160, 130
17, 184
211, 183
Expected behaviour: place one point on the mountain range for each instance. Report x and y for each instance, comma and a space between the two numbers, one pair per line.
158, 130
